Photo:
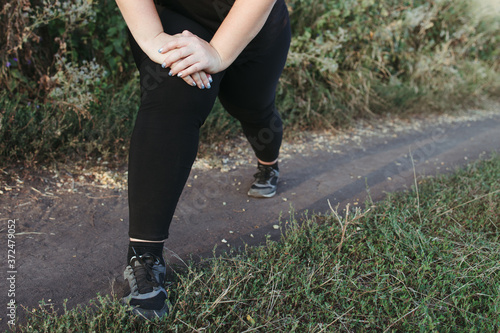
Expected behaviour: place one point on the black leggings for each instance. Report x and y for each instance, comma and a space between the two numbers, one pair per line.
164, 142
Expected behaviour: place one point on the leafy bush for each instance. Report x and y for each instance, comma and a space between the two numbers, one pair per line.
41, 33
355, 58
348, 59
60, 84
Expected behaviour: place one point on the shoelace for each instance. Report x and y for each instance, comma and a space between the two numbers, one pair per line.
264, 173
144, 275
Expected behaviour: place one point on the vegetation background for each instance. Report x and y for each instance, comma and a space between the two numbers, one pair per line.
68, 85
426, 260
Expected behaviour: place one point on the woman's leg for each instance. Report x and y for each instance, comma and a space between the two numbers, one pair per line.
163, 147
164, 142
248, 91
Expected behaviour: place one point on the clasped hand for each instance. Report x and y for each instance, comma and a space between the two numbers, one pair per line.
191, 58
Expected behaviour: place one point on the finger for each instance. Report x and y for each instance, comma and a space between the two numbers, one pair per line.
206, 79
186, 66
190, 80
175, 56
189, 70
179, 42
199, 82
173, 44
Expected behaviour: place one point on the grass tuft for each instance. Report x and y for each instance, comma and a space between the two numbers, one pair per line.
418, 261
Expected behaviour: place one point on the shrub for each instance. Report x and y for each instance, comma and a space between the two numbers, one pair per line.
348, 59
355, 58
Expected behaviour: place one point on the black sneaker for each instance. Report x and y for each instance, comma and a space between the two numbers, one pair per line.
265, 183
148, 298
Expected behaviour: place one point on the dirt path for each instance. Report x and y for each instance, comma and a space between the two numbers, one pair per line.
71, 228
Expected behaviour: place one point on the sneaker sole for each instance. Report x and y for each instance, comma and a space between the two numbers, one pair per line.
259, 195
149, 314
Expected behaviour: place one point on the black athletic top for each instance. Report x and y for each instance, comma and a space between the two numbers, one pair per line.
211, 13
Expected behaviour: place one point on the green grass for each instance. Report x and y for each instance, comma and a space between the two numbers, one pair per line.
426, 260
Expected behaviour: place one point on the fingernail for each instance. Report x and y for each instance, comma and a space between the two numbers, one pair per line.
169, 73
179, 75
209, 86
159, 51
193, 84
202, 86
163, 65
210, 79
